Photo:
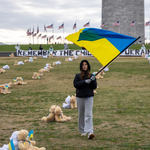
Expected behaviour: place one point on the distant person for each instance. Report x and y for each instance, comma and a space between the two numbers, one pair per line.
17, 47
40, 48
65, 46
51, 48
143, 47
30, 48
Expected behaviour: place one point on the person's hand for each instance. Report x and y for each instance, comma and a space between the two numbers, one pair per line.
88, 81
93, 78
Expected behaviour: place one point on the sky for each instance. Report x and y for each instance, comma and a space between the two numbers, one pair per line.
18, 16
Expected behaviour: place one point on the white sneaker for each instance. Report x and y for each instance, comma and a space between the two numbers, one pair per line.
84, 134
90, 135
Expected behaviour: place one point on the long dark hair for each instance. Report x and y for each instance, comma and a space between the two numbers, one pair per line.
85, 74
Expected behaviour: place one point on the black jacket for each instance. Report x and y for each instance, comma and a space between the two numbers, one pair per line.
83, 89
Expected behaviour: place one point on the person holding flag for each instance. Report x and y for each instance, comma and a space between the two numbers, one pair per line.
85, 83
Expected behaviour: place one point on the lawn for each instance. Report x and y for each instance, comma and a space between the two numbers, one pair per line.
121, 108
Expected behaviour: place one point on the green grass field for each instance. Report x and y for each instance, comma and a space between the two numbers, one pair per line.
121, 108
55, 46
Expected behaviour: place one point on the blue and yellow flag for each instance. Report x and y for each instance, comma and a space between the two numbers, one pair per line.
11, 145
31, 134
103, 44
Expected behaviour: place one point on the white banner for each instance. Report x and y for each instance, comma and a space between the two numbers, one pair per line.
69, 53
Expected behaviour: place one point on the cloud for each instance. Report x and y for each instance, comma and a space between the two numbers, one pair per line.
18, 16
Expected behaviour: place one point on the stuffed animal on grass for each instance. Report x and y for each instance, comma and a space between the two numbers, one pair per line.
4, 89
51, 55
40, 72
35, 75
73, 103
51, 115
26, 144
26, 60
102, 72
34, 58
2, 70
8, 84
19, 81
98, 76
16, 63
59, 115
11, 55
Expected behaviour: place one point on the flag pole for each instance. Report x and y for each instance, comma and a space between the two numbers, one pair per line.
53, 33
63, 32
116, 57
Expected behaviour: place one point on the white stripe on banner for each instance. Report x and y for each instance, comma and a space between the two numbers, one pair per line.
69, 53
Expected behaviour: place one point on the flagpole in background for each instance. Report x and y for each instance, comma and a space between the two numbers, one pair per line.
63, 33
53, 33
76, 27
33, 35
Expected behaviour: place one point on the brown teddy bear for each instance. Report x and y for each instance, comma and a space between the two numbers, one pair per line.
2, 70
51, 116
35, 75
59, 115
73, 103
16, 63
26, 144
19, 81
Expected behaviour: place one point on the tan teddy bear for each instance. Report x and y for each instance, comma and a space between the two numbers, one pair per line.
16, 63
19, 81
26, 144
34, 58
51, 116
73, 103
59, 115
35, 75
26, 60
44, 70
2, 89
2, 70
40, 72
99, 76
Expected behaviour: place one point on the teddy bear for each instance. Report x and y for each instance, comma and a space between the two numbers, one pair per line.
26, 144
16, 63
59, 115
11, 55
8, 84
102, 72
19, 81
26, 60
34, 58
51, 115
2, 70
40, 72
73, 103
35, 75
51, 55
98, 76
2, 89
95, 92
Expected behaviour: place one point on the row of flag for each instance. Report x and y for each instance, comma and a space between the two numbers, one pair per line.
117, 23
51, 27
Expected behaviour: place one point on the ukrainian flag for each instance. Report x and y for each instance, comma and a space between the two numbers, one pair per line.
103, 44
11, 145
31, 134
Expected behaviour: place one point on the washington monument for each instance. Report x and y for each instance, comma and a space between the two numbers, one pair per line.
129, 14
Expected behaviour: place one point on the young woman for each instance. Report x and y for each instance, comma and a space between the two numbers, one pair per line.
85, 83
